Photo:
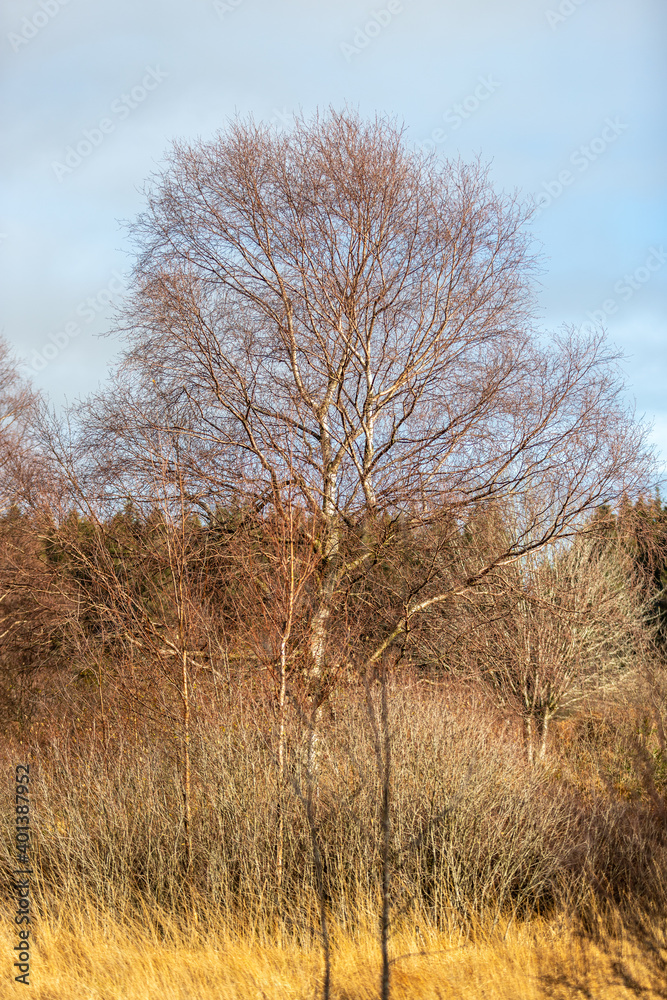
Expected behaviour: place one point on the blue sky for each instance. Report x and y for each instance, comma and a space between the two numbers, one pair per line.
566, 99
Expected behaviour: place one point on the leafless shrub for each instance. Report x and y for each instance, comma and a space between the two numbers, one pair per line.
474, 829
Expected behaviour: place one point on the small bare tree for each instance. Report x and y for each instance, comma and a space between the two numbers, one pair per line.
34, 610
276, 573
548, 632
139, 558
19, 458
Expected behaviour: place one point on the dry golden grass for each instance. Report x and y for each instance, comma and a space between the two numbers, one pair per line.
86, 956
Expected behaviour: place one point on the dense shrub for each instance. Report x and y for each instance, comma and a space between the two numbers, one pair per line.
476, 830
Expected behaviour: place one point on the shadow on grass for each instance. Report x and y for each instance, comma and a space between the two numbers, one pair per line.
626, 952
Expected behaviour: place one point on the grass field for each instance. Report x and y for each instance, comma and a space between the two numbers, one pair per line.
84, 956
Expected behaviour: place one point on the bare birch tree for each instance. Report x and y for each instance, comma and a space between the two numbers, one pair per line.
332, 310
